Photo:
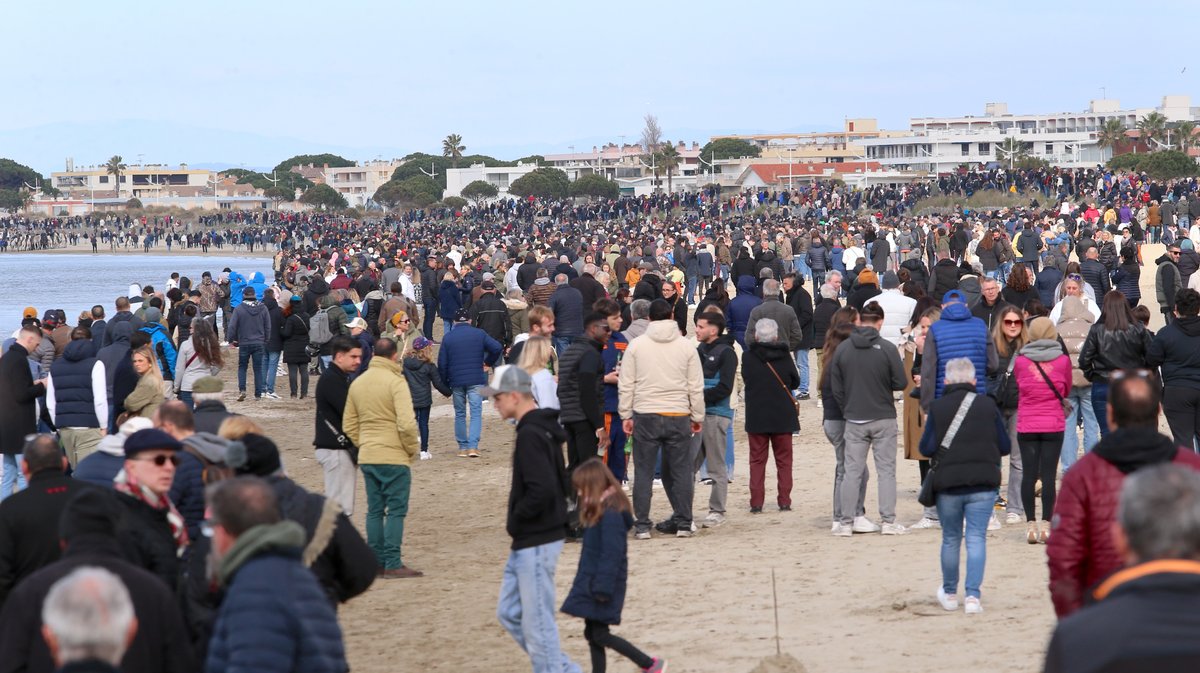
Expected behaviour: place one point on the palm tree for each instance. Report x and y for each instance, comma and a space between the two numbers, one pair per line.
1186, 131
453, 148
1152, 128
115, 167
668, 160
1111, 133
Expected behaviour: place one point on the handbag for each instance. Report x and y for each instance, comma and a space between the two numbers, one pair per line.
795, 404
926, 496
1002, 394
1067, 407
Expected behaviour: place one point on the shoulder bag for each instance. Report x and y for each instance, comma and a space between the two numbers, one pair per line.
795, 404
926, 496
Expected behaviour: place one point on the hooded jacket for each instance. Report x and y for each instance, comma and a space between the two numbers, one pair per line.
379, 417
463, 353
161, 343
537, 499
1073, 326
76, 391
449, 299
740, 308
258, 282
518, 316
1081, 552
1176, 349
769, 406
237, 283
422, 377
318, 289
539, 292
661, 374
1038, 408
598, 592
866, 369
250, 324
134, 322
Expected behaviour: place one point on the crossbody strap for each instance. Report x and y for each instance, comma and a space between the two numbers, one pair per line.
1048, 381
955, 424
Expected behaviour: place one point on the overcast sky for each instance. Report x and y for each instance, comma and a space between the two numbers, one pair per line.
253, 82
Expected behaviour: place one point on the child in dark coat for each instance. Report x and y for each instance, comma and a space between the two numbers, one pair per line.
598, 593
422, 374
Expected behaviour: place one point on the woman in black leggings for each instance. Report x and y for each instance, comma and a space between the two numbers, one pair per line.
1043, 375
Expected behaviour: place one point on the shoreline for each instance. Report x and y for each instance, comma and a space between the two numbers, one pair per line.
157, 250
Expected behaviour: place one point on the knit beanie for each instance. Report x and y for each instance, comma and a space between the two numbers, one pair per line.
1042, 328
868, 277
255, 455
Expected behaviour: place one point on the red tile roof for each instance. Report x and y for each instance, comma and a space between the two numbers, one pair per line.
778, 173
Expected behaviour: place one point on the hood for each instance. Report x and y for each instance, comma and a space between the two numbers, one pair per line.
135, 290
957, 311
254, 308
547, 420
865, 337
515, 304
235, 277
1129, 449
1163, 259
374, 294
1042, 350
542, 281
770, 352
817, 244
663, 331
80, 349
414, 363
120, 331
211, 446
957, 388
318, 285
746, 285
262, 539
1073, 309
1189, 326
257, 277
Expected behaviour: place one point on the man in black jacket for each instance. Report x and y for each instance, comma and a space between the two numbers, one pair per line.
18, 399
718, 360
490, 314
88, 530
1095, 274
335, 452
801, 302
944, 276
1176, 349
581, 391
1142, 620
588, 286
29, 518
429, 295
537, 520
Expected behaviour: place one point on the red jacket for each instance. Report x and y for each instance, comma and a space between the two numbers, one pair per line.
1080, 550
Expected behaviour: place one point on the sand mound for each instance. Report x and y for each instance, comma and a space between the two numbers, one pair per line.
779, 663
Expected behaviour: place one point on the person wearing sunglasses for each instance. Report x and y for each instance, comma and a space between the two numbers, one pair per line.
155, 533
1168, 281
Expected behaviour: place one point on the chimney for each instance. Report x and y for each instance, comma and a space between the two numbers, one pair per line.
595, 149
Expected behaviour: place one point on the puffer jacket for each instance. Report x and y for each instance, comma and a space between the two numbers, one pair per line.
294, 331
1127, 282
163, 348
464, 352
1073, 327
1038, 408
1105, 350
422, 377
490, 314
598, 592
1081, 552
740, 308
1167, 282
818, 257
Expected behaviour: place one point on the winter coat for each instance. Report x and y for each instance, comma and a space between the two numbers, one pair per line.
539, 292
209, 415
769, 405
1073, 326
822, 315
568, 307
740, 308
958, 334
332, 389
421, 376
133, 321
897, 313
117, 350
865, 371
1167, 282
818, 257
274, 337
518, 316
29, 537
1038, 408
1105, 350
590, 289
1081, 552
77, 386
1176, 350
1127, 278
190, 367
1095, 274
581, 383
801, 302
146, 539
294, 332
598, 592
972, 463
661, 374
943, 279
463, 353
790, 333
490, 314
537, 499
160, 343
1189, 262
250, 324
378, 416
318, 289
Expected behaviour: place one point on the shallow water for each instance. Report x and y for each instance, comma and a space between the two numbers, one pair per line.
78, 282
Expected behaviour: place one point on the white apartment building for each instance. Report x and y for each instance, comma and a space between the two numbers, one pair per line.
500, 176
143, 182
359, 183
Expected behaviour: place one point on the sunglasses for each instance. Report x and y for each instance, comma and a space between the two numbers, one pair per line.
161, 459
1118, 374
1074, 276
1014, 323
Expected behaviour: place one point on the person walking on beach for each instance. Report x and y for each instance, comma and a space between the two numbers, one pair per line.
249, 329
598, 593
77, 397
465, 351
537, 521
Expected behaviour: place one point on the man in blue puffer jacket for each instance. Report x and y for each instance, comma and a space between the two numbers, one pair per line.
464, 352
958, 334
275, 618
740, 308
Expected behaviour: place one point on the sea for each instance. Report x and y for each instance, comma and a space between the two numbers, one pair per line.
75, 283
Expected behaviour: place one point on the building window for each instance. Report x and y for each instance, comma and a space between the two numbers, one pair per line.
985, 148
1049, 148
966, 149
104, 179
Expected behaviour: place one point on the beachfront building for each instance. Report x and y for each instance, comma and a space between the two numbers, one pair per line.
818, 146
357, 183
147, 183
500, 176
1068, 139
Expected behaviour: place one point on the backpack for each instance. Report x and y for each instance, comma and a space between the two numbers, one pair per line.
318, 328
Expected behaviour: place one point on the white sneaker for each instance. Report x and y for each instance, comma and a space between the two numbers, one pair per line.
893, 529
425, 455
926, 522
270, 396
949, 602
819, 403
993, 523
713, 520
864, 525
973, 606
842, 530
1013, 518
642, 535
658, 483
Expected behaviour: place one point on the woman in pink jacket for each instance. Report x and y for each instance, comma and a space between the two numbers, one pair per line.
1043, 376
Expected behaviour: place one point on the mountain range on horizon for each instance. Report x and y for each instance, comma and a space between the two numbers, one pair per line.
46, 148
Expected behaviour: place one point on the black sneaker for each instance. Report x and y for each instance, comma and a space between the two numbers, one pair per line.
706, 482
756, 510
803, 397
668, 527
785, 508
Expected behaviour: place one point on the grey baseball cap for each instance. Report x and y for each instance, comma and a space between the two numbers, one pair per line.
508, 379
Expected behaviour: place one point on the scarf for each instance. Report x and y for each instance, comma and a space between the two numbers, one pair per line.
127, 484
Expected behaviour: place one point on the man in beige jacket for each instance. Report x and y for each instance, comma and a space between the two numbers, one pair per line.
379, 420
661, 403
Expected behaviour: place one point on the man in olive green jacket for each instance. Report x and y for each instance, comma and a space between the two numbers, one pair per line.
379, 420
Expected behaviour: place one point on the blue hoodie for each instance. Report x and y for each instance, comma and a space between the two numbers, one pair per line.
237, 283
740, 308
259, 284
161, 343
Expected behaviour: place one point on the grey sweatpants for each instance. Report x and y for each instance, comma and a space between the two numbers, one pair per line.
710, 445
879, 437
835, 432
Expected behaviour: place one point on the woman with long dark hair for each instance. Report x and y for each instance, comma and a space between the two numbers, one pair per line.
1116, 341
834, 424
294, 331
198, 357
1019, 289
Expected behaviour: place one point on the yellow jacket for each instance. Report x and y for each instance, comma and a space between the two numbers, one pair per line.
379, 416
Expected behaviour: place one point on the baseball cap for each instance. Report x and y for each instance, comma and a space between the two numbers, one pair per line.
954, 296
50, 319
29, 312
461, 315
508, 379
421, 343
357, 322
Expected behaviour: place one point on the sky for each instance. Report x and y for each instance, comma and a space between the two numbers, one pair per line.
234, 83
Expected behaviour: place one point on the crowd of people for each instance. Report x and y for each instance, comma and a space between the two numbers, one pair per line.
609, 335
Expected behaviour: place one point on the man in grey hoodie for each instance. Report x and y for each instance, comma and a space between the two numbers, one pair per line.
866, 369
249, 329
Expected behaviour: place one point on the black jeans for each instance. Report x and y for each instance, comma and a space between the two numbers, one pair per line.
581, 444
599, 637
1039, 456
298, 372
672, 434
1182, 408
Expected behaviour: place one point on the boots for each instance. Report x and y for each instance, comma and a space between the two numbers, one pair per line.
1044, 533
1031, 535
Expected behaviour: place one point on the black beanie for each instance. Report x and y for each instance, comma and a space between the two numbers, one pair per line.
254, 454
92, 511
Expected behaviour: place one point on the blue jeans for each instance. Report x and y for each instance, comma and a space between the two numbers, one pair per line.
463, 395
422, 414
1100, 406
976, 508
527, 606
12, 475
185, 396
800, 265
270, 370
388, 487
562, 343
690, 290
447, 325
729, 450
247, 354
1082, 399
802, 366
